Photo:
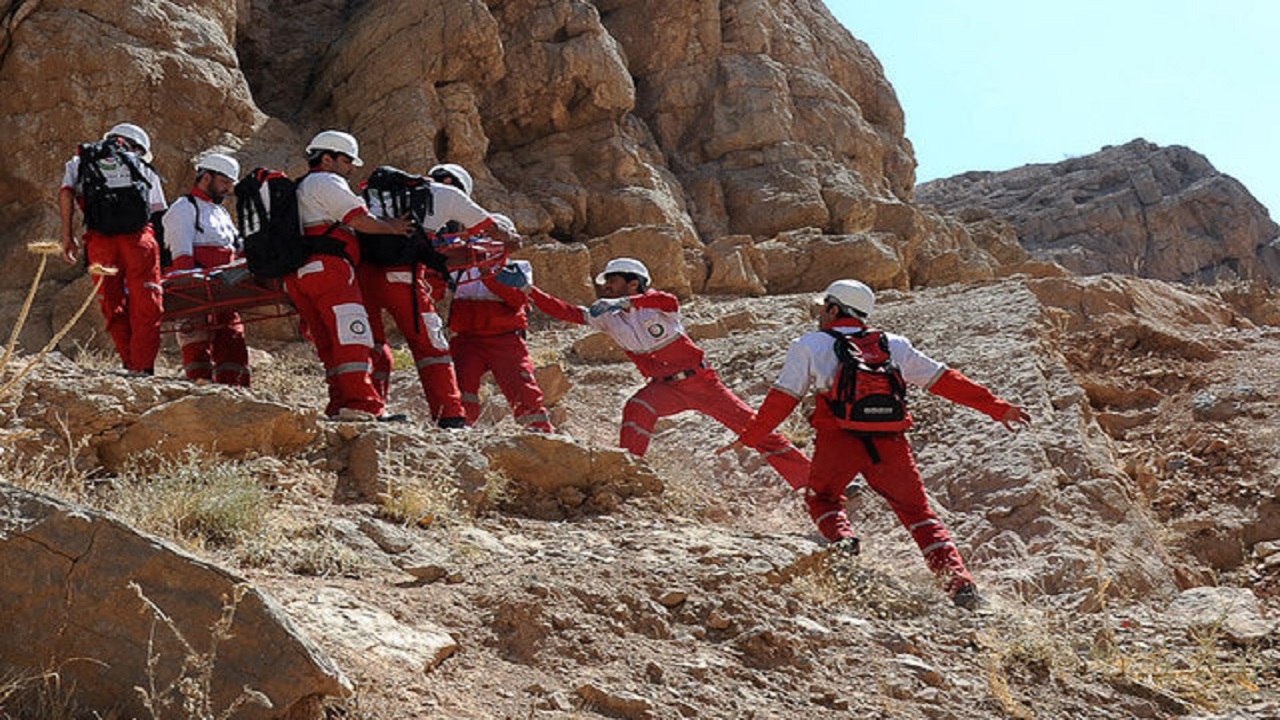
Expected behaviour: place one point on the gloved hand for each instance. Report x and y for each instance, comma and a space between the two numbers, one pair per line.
513, 276
609, 305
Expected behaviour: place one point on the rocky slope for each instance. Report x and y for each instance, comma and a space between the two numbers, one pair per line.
1137, 208
1127, 538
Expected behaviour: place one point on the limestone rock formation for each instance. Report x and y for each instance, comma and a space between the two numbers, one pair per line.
1137, 208
622, 126
68, 605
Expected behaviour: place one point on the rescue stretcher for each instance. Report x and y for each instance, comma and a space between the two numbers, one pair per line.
193, 299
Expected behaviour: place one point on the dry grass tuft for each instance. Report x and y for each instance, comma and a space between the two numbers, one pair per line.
200, 498
421, 490
860, 584
32, 696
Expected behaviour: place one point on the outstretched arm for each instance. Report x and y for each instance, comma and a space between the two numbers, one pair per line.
557, 308
954, 386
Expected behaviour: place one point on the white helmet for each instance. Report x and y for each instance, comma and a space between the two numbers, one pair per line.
850, 295
134, 134
627, 265
221, 164
455, 171
337, 141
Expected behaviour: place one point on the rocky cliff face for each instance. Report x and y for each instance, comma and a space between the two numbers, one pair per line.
685, 133
1141, 209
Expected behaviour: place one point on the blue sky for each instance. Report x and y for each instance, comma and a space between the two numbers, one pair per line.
995, 84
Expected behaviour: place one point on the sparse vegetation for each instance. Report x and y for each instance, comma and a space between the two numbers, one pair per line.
200, 498
421, 490
35, 696
188, 693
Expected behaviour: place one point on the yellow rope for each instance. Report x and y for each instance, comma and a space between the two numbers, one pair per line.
44, 250
101, 273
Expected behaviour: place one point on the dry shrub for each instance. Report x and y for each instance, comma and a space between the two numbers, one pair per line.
864, 585
1207, 672
51, 469
422, 489
199, 498
188, 695
303, 549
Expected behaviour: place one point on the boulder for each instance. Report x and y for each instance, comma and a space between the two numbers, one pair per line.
360, 629
221, 420
554, 476
70, 603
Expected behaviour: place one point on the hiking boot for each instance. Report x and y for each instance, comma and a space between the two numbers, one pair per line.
968, 597
452, 423
848, 546
393, 418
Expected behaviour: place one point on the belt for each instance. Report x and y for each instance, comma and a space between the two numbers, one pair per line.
682, 375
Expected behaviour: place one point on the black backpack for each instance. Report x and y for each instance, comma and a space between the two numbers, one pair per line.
396, 193
869, 394
267, 215
114, 188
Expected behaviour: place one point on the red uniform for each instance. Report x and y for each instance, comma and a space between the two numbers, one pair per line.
885, 460
201, 233
132, 300
396, 290
652, 335
328, 298
488, 321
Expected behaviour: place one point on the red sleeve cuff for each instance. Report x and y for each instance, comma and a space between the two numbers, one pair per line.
957, 388
355, 213
776, 407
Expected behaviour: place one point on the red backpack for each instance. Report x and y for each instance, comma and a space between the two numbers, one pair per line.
868, 394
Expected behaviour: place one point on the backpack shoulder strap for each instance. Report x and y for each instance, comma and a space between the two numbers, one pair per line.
196, 207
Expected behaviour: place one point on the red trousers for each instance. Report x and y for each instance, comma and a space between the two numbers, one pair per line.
394, 290
215, 349
838, 458
334, 319
507, 356
131, 300
705, 393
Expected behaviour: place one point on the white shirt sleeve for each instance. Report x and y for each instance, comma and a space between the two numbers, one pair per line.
326, 198
70, 172
180, 228
798, 371
156, 195
450, 203
917, 368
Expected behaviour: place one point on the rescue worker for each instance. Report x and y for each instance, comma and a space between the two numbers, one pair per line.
401, 289
646, 323
489, 320
324, 289
123, 193
200, 233
885, 460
